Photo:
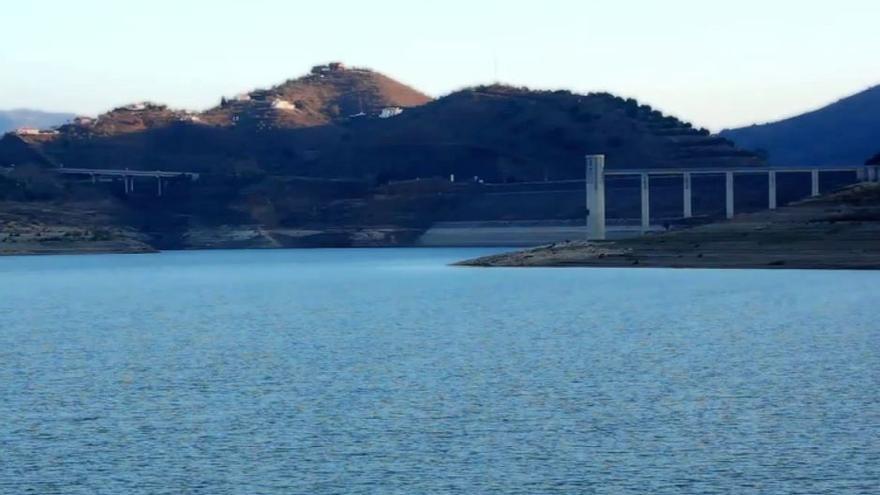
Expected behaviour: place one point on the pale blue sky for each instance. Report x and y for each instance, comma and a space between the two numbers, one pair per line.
714, 63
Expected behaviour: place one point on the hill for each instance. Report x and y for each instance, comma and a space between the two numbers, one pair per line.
843, 133
506, 134
329, 93
498, 133
14, 119
343, 150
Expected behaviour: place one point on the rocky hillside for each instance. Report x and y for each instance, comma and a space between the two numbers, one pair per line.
329, 94
842, 133
49, 227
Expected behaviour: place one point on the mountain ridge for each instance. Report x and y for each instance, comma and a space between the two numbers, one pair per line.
845, 132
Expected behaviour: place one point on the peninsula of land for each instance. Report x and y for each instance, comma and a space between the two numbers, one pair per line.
840, 230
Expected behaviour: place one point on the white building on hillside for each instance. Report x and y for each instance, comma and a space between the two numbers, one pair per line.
389, 112
283, 105
83, 121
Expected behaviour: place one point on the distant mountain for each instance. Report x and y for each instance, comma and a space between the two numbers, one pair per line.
14, 119
843, 133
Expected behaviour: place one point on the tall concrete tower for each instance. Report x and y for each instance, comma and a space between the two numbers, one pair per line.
596, 197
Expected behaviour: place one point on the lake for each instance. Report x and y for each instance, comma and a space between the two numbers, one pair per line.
387, 371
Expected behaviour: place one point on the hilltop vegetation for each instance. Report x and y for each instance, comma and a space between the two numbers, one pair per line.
842, 133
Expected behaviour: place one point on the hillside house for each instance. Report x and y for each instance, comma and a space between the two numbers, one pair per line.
27, 131
83, 121
389, 112
191, 118
283, 105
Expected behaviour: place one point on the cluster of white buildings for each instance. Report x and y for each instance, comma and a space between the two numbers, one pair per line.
389, 112
83, 121
283, 105
136, 107
191, 117
33, 131
263, 97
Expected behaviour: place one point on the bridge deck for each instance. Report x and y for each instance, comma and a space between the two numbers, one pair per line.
724, 170
125, 173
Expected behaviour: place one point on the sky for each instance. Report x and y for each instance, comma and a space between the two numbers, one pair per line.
716, 64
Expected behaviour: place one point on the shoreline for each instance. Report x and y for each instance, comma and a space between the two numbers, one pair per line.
550, 257
838, 231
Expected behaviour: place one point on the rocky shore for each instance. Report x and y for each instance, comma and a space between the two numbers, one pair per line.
30, 228
836, 231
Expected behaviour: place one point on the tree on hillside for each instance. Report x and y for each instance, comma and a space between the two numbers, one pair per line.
874, 161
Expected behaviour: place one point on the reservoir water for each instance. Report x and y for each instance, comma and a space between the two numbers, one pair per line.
389, 372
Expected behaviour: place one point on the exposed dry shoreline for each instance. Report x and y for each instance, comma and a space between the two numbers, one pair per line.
837, 231
41, 228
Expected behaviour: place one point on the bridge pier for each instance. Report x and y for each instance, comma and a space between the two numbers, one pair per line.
862, 174
728, 196
596, 197
688, 195
771, 190
872, 174
159, 185
814, 179
646, 202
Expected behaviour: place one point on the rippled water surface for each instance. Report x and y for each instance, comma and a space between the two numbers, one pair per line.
385, 371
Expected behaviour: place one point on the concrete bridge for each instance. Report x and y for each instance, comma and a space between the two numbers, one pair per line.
596, 173
128, 176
